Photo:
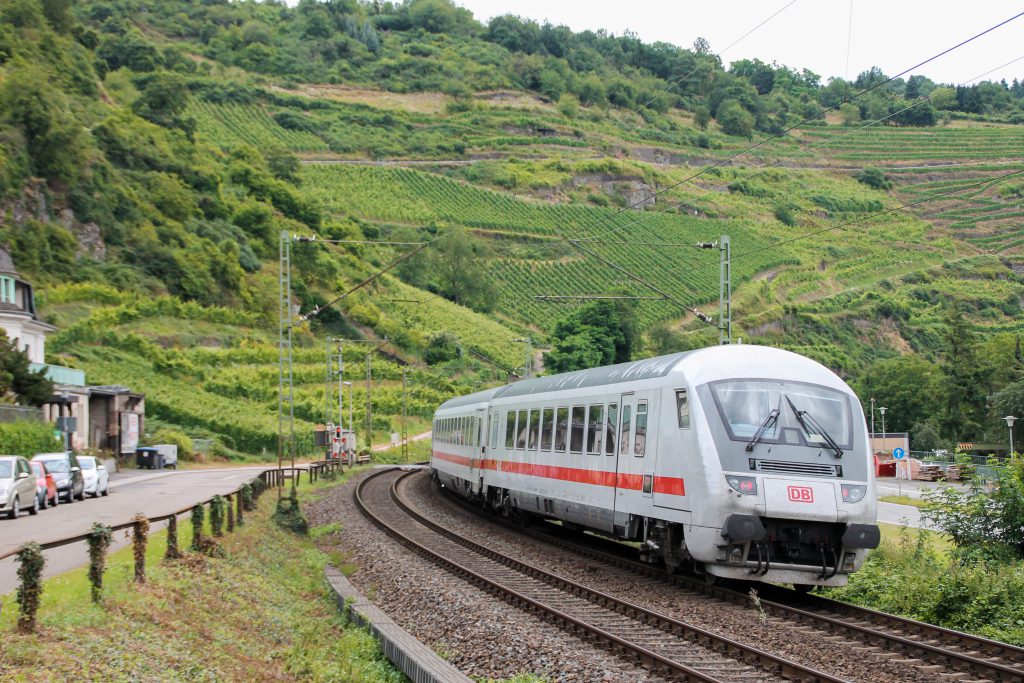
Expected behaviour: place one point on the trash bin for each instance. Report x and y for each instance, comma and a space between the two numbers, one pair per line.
149, 458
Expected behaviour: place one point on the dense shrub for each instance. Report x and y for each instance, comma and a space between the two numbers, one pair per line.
26, 438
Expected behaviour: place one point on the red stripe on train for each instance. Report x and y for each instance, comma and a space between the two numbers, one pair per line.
670, 485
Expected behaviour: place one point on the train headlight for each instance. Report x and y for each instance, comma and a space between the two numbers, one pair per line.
853, 493
746, 486
849, 560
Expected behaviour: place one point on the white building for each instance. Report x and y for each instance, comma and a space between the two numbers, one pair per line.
102, 413
18, 312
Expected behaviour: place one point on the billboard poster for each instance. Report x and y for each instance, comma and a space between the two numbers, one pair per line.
129, 432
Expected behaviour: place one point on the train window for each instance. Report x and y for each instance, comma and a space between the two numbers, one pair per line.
640, 432
624, 435
609, 432
534, 429
576, 435
561, 429
510, 429
595, 429
474, 431
521, 430
682, 409
547, 422
494, 430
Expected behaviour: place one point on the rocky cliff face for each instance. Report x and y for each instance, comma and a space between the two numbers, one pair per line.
37, 203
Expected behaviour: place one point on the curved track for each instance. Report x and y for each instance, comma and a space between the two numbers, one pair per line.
958, 653
667, 646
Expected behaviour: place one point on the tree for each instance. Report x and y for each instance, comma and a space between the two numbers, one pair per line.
850, 113
964, 400
17, 380
874, 177
459, 264
906, 386
598, 333
1010, 401
701, 117
441, 347
734, 119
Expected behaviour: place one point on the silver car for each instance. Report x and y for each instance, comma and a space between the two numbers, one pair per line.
17, 486
95, 476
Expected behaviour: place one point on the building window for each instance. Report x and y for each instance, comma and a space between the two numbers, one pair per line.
6, 290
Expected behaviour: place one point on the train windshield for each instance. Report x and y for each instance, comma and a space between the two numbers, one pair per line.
746, 404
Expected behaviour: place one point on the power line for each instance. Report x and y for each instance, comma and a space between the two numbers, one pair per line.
701, 316
812, 118
881, 213
824, 143
727, 48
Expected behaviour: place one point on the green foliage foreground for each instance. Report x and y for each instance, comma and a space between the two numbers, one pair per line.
262, 612
910, 577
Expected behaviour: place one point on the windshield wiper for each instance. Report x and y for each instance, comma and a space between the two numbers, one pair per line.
769, 421
809, 423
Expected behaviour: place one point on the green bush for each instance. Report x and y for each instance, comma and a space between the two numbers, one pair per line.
27, 438
874, 177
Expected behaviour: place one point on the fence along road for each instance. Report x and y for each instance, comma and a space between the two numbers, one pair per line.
156, 495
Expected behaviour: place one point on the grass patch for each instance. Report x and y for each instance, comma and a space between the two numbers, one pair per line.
261, 613
902, 500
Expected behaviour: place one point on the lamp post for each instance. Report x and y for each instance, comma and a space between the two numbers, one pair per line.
881, 409
1010, 419
872, 425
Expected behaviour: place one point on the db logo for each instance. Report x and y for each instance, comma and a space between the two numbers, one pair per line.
801, 494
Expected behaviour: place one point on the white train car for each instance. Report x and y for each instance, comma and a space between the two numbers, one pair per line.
748, 462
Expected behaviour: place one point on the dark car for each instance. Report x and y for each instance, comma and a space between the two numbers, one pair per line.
67, 473
46, 485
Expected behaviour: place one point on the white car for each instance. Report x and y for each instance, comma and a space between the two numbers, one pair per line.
17, 486
95, 475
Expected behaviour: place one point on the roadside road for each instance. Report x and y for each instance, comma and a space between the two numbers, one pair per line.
151, 493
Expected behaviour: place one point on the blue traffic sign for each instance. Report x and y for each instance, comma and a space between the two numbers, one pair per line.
898, 453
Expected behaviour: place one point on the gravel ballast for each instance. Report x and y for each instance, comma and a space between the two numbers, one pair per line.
852, 660
480, 634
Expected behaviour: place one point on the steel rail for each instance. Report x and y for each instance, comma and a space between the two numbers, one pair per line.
977, 656
724, 646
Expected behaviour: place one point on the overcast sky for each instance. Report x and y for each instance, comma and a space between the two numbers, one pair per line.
812, 34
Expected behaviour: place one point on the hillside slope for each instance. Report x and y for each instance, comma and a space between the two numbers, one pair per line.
152, 153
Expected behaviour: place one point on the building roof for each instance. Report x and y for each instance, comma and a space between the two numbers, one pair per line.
7, 264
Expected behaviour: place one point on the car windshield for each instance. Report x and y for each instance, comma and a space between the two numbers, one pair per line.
86, 464
6, 467
57, 465
746, 404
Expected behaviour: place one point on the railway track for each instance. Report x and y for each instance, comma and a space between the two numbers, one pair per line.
963, 655
668, 647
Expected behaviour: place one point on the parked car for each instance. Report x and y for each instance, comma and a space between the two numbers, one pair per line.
46, 485
94, 472
67, 472
17, 486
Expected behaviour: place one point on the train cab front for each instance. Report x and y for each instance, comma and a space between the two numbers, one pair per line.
794, 498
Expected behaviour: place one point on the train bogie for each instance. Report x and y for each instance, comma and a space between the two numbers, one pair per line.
746, 461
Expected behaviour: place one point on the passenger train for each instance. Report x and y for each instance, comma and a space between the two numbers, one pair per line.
747, 462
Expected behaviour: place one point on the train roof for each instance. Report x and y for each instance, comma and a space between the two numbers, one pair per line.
702, 365
634, 371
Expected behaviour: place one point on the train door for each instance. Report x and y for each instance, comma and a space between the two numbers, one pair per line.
476, 439
622, 443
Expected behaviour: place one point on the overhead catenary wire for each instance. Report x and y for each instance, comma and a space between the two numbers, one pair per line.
819, 114
804, 152
725, 49
841, 226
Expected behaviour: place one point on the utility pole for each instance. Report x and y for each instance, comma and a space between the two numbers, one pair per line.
405, 417
724, 291
341, 383
528, 368
369, 405
285, 377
